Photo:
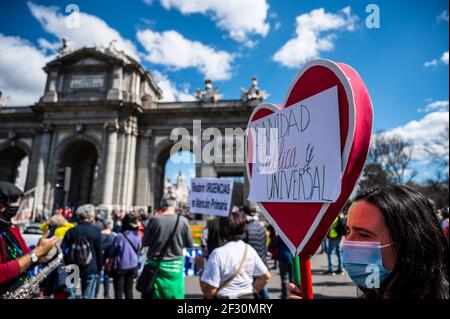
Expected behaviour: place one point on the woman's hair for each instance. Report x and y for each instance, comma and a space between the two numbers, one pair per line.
57, 220
130, 222
232, 227
421, 248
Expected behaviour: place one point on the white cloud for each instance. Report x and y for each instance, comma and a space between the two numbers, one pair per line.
435, 62
277, 26
170, 91
435, 106
310, 39
240, 18
191, 173
444, 58
173, 50
21, 74
422, 132
46, 45
443, 16
92, 30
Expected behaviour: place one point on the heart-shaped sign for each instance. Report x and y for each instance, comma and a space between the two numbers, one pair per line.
303, 226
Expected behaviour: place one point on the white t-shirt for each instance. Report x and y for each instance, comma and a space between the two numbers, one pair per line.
223, 264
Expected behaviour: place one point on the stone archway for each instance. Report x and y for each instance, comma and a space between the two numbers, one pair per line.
162, 153
81, 158
14, 165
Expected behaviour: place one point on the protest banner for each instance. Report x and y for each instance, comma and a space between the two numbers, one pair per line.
190, 254
210, 196
305, 157
26, 212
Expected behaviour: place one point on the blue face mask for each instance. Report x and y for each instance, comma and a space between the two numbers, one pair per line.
364, 264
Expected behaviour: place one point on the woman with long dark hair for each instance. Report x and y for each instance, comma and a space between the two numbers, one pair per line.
395, 247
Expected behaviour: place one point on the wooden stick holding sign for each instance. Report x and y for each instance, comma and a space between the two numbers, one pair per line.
305, 157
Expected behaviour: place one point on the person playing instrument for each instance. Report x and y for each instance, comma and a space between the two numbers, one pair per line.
15, 256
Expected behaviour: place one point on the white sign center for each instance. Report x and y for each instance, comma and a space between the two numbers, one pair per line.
297, 152
211, 196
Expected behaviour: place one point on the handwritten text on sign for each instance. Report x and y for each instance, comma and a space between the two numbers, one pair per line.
297, 152
211, 196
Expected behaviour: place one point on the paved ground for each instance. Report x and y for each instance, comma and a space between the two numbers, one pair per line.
324, 286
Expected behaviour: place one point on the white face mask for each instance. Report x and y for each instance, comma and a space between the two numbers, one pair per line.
358, 255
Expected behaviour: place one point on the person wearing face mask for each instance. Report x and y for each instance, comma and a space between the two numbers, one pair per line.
395, 248
15, 257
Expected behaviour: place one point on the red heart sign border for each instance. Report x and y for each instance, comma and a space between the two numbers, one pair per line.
303, 234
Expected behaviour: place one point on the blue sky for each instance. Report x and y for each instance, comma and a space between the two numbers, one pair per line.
404, 62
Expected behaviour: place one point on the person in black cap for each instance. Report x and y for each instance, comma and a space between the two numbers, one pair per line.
15, 256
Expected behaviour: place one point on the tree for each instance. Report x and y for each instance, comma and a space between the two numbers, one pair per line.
388, 162
397, 155
438, 151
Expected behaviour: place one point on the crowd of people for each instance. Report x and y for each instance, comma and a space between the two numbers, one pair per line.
396, 229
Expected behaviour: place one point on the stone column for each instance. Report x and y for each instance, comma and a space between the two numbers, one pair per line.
110, 163
42, 164
126, 166
132, 171
120, 164
142, 182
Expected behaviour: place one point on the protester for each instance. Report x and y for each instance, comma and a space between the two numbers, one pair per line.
444, 223
99, 221
284, 258
395, 232
334, 245
108, 237
118, 216
143, 218
57, 225
230, 269
255, 236
125, 249
169, 283
82, 246
15, 257
141, 227
324, 246
45, 212
271, 248
68, 213
211, 238
55, 284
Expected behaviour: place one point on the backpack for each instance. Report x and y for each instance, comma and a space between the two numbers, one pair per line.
80, 252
